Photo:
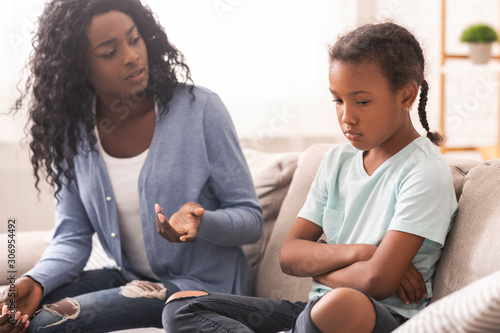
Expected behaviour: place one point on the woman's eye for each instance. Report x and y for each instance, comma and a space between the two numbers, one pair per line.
108, 54
363, 102
135, 40
337, 101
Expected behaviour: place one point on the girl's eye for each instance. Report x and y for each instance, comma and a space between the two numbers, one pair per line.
363, 102
337, 101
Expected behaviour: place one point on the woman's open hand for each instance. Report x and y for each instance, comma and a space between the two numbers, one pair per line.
183, 225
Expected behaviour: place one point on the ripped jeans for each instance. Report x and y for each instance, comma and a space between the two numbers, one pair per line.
223, 313
102, 301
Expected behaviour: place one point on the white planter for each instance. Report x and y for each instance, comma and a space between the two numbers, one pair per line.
480, 53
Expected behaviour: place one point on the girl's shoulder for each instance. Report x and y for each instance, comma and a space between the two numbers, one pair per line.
424, 159
423, 149
339, 156
341, 152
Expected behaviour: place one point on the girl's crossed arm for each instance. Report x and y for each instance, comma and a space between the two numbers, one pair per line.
379, 271
302, 255
389, 270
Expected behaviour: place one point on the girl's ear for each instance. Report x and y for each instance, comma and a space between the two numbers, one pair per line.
408, 95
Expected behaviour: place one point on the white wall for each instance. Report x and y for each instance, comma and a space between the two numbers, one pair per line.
16, 25
267, 59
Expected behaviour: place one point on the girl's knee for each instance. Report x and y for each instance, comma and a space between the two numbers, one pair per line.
344, 307
344, 297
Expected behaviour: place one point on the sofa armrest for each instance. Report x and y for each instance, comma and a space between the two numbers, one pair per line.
29, 246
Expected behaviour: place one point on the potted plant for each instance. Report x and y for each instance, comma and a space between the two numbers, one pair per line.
480, 37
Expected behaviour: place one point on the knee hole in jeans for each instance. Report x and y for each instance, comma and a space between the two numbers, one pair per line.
186, 294
136, 289
66, 308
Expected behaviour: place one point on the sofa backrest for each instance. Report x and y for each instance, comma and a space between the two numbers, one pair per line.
473, 245
270, 281
271, 175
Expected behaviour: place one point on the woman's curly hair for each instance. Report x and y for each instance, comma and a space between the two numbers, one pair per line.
60, 108
398, 54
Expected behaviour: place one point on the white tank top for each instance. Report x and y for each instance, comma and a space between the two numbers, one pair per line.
124, 176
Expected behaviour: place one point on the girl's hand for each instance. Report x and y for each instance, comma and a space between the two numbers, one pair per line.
412, 287
183, 226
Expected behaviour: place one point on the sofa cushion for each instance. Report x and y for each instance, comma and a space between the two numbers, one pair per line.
472, 247
271, 174
271, 282
459, 168
473, 309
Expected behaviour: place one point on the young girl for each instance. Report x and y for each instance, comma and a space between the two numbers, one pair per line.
116, 132
384, 202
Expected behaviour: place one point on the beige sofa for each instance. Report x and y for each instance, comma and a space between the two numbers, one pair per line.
467, 282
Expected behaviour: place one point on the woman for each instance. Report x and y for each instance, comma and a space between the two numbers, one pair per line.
116, 132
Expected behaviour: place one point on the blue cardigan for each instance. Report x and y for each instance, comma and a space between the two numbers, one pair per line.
194, 156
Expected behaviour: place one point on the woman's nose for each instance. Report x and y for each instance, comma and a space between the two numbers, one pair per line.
131, 56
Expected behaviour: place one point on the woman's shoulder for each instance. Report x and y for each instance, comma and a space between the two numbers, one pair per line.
192, 97
187, 91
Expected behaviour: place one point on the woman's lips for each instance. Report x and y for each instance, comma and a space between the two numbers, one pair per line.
137, 76
352, 135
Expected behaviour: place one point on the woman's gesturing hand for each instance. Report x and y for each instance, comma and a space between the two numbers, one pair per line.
183, 225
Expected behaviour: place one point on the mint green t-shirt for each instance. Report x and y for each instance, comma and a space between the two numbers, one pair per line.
412, 192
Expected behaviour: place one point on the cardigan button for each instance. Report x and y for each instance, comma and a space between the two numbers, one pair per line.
108, 198
113, 235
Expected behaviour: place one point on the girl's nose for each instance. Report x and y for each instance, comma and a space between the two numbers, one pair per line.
347, 115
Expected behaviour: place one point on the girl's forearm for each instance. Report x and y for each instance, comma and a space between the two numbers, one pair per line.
308, 258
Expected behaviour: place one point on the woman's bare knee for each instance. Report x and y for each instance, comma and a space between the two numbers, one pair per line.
186, 294
346, 309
